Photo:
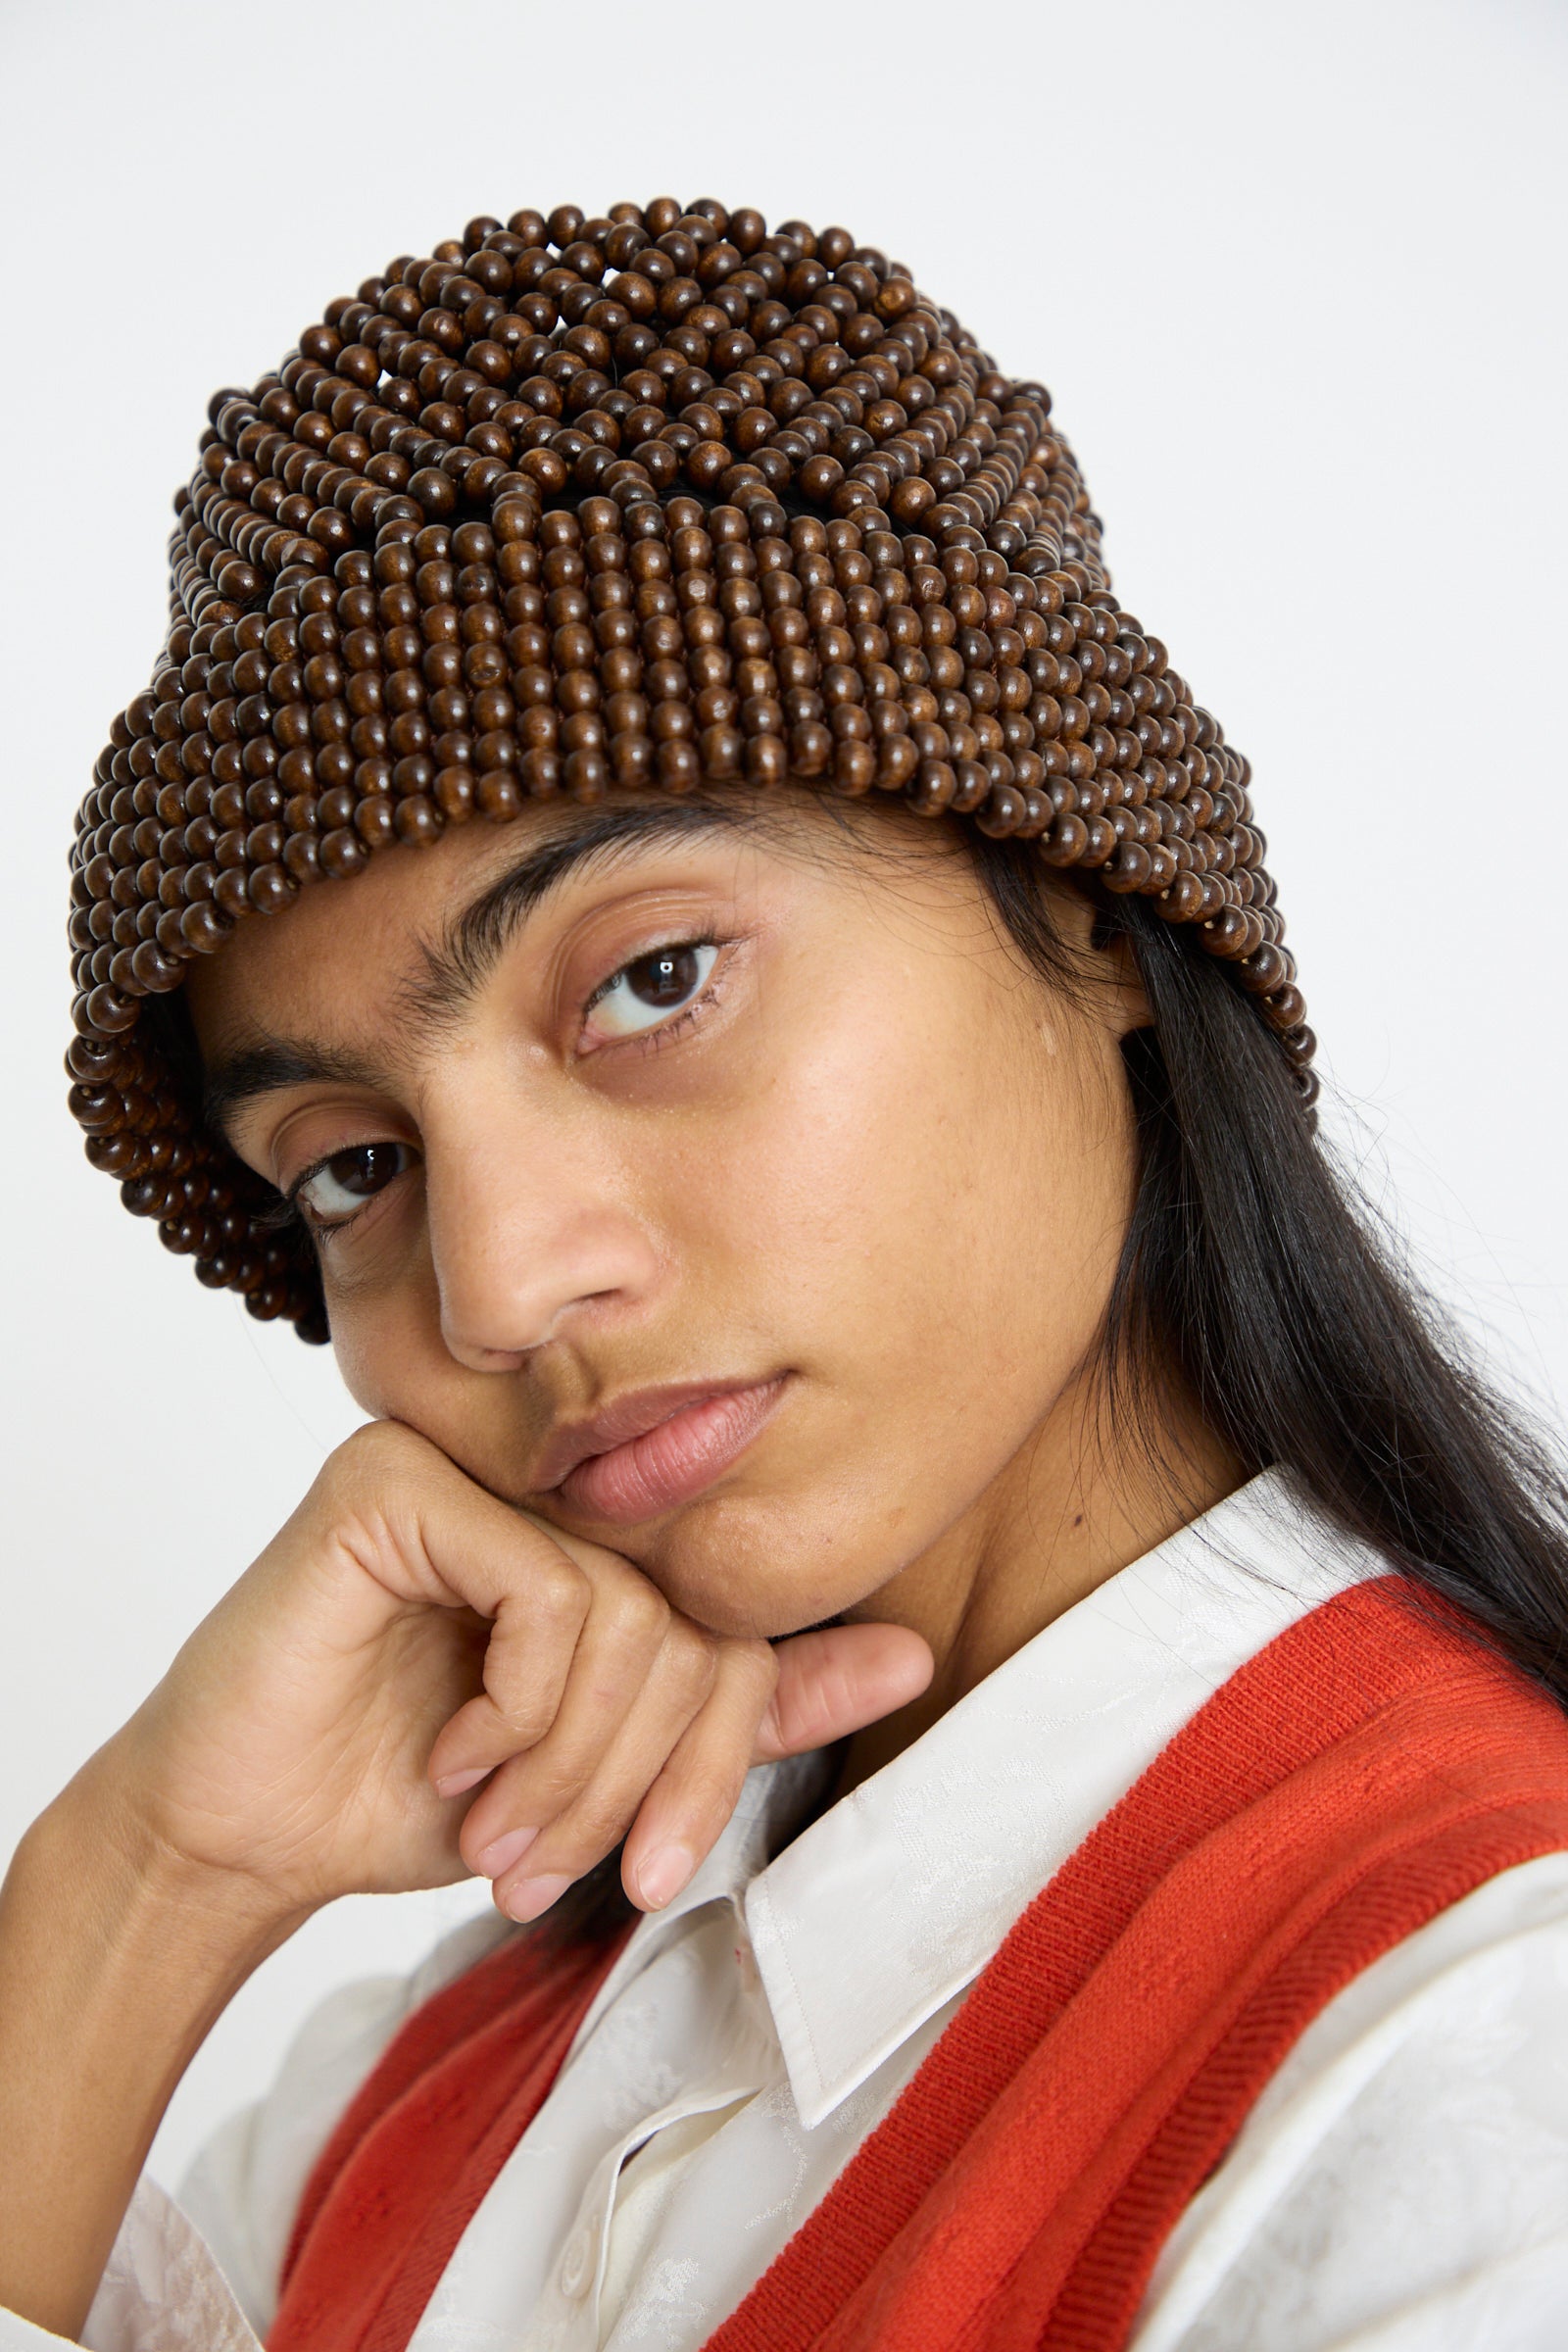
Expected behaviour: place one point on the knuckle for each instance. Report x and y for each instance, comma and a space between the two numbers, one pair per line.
553, 1788
690, 1658
587, 1833
640, 1614
559, 1775
755, 1664
563, 1593
522, 1717
371, 1483
711, 1788
371, 1452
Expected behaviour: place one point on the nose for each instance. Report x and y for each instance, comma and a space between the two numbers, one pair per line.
528, 1220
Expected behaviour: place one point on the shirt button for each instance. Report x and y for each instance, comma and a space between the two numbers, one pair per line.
576, 2262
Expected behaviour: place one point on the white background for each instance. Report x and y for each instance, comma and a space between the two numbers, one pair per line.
1294, 275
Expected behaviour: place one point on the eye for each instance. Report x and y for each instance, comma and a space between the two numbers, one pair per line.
339, 1189
646, 992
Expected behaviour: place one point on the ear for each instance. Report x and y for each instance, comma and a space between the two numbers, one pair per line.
1101, 946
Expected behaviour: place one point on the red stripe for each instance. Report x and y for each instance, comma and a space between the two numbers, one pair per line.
1369, 1768
409, 2164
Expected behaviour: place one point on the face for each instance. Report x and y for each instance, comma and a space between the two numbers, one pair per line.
757, 1107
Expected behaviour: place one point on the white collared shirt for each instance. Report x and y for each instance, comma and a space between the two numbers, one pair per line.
1400, 2187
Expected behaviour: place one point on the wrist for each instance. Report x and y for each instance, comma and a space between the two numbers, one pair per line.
103, 1855
117, 1955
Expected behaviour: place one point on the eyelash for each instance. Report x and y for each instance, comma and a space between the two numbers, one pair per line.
654, 1038
285, 1213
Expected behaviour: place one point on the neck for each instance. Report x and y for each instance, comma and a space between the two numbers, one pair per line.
1079, 1502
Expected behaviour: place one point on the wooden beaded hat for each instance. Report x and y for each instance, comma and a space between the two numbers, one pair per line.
657, 500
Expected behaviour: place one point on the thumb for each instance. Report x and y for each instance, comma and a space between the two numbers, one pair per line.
837, 1679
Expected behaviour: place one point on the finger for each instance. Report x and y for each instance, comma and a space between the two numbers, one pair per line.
594, 1814
536, 1633
838, 1680
629, 1644
794, 1696
395, 1509
617, 1624
686, 1809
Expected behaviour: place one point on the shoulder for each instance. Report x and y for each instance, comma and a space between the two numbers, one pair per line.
1410, 2156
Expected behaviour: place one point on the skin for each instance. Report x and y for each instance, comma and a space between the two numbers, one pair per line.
872, 1156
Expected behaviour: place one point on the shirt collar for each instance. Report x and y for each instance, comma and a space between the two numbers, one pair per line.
774, 1800
932, 1859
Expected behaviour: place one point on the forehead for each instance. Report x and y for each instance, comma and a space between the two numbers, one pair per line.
412, 901
439, 914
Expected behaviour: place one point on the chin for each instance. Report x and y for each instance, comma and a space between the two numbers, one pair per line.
755, 1568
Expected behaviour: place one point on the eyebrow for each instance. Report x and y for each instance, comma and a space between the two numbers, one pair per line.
235, 1078
456, 967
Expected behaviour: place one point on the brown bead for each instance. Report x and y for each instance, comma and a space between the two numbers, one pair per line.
271, 889
854, 767
301, 857
231, 892
373, 823
974, 789
932, 787
1066, 842
341, 853
453, 793
417, 819
498, 795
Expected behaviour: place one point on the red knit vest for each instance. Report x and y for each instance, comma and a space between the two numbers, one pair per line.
1366, 1770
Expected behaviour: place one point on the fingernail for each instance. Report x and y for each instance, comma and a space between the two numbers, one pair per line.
501, 1853
453, 1784
664, 1872
530, 1896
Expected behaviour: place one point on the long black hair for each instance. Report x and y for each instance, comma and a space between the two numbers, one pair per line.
1250, 1266
1252, 1273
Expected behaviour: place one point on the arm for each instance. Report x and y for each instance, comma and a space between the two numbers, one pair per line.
115, 1959
412, 1682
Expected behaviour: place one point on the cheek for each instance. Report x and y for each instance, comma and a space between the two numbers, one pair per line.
387, 1346
926, 1216
916, 1186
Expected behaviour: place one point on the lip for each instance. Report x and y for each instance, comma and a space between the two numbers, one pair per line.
656, 1446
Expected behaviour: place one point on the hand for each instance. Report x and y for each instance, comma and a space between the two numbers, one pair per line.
407, 1636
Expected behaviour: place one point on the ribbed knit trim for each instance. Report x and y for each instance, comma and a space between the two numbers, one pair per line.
410, 2163
1370, 1767
1356, 1777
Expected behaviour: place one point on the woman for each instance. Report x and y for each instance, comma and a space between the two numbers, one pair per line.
903, 1520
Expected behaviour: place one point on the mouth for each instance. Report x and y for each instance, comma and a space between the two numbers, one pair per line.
656, 1449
